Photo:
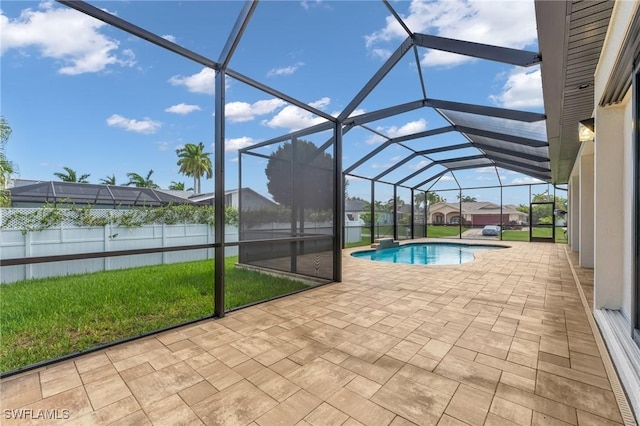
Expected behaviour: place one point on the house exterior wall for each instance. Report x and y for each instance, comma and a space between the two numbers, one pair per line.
250, 201
613, 192
586, 207
476, 219
574, 211
609, 209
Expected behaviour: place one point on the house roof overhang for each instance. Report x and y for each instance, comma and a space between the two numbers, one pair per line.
570, 36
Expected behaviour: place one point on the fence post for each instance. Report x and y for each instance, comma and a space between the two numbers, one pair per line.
164, 241
106, 235
28, 269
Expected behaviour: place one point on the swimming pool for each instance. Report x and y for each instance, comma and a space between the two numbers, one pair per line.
426, 253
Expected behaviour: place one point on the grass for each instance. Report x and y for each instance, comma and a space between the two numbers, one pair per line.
48, 318
444, 231
365, 241
387, 231
511, 235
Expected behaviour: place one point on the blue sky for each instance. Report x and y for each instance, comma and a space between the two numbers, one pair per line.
80, 94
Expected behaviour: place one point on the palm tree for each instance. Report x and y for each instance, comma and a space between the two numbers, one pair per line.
141, 182
109, 180
178, 186
193, 161
467, 198
7, 167
71, 176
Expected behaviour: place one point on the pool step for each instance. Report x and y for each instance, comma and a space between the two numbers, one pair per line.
382, 243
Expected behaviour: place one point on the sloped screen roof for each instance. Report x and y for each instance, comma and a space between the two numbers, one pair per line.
86, 193
508, 138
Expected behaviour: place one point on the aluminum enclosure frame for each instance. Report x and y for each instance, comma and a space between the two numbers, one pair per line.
344, 121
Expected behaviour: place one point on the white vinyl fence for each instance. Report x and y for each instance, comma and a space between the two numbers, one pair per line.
65, 239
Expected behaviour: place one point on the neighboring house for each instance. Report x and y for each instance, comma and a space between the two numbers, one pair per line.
354, 209
251, 200
30, 193
33, 193
477, 213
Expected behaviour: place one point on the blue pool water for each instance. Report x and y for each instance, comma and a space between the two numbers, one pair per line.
426, 253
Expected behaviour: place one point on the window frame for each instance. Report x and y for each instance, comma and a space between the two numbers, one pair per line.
636, 201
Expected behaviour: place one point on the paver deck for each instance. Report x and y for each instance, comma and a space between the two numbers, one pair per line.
503, 340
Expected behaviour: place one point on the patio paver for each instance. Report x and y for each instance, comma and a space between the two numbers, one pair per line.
501, 340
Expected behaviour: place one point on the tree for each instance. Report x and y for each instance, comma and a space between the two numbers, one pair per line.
178, 186
431, 198
399, 202
366, 215
346, 189
141, 182
71, 176
109, 180
194, 162
543, 197
7, 168
543, 213
312, 183
467, 198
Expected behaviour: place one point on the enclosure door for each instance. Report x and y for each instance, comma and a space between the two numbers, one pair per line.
541, 222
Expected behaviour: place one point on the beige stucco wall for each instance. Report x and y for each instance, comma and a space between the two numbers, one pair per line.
614, 239
614, 177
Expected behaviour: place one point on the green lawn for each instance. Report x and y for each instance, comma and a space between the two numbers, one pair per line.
47, 318
383, 231
511, 235
365, 241
434, 231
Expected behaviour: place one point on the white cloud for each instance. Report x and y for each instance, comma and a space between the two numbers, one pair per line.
238, 143
169, 37
380, 53
238, 112
183, 109
285, 70
447, 178
484, 178
306, 4
354, 178
163, 146
523, 89
374, 139
419, 165
146, 125
524, 180
293, 118
485, 170
356, 112
235, 160
321, 103
202, 82
502, 23
395, 131
66, 35
392, 161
